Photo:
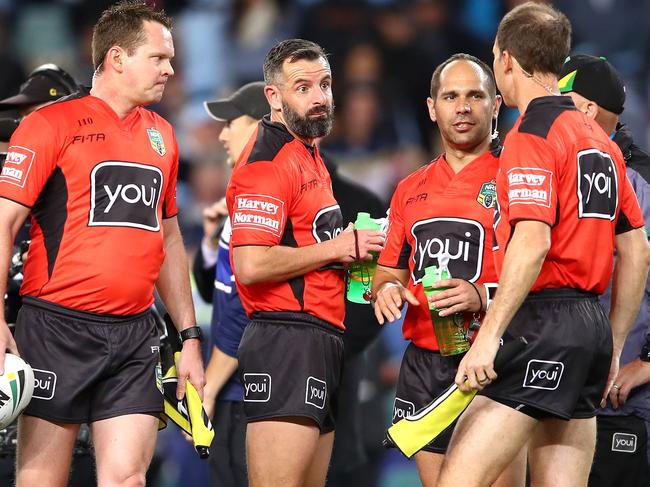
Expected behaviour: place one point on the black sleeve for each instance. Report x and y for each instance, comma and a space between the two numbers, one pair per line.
203, 277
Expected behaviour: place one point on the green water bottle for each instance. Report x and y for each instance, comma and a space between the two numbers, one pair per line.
361, 272
449, 330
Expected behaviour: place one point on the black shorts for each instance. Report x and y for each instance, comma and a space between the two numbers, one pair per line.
621, 457
424, 374
291, 365
563, 370
87, 366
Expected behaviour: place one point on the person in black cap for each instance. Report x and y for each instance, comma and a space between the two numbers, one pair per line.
45, 84
622, 448
224, 393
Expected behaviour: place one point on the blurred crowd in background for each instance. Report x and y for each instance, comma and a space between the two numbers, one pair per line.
382, 54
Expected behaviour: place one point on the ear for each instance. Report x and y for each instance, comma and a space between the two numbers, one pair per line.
497, 105
114, 58
507, 61
273, 96
591, 109
432, 112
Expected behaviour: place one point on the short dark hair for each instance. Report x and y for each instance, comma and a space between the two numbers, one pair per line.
293, 50
435, 78
537, 36
122, 25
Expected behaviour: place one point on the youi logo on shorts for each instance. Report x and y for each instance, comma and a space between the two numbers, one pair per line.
597, 185
328, 224
44, 384
460, 238
402, 409
257, 387
624, 442
543, 374
125, 194
315, 392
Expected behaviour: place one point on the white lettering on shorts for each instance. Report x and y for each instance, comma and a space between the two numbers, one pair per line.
44, 384
257, 387
624, 442
315, 392
543, 374
402, 409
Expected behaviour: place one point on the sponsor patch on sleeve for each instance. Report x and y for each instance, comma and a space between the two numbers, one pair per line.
17, 165
258, 212
530, 186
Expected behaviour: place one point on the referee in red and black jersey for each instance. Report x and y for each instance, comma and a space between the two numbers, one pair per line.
564, 202
287, 247
97, 173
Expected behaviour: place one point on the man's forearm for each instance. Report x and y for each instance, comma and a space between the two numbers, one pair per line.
523, 261
220, 368
254, 264
628, 284
384, 275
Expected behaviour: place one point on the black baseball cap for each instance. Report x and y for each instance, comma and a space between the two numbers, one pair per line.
247, 100
46, 83
595, 79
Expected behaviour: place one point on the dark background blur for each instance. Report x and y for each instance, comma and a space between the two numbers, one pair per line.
382, 54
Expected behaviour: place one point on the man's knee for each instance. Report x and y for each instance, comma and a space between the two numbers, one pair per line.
114, 479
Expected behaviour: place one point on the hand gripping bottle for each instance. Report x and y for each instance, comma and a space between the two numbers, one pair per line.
361, 272
449, 330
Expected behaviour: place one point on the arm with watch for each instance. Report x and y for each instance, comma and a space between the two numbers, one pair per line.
173, 286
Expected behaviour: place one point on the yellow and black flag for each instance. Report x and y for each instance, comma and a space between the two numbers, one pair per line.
188, 413
409, 435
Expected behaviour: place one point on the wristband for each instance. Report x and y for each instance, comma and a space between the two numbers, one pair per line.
480, 299
191, 333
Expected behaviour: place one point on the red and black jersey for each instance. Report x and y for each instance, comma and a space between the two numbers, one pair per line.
280, 193
435, 211
98, 188
559, 167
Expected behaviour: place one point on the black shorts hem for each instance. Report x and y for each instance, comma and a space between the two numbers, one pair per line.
288, 414
108, 415
505, 399
590, 415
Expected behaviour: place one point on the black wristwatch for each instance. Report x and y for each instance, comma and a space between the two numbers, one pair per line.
645, 353
191, 332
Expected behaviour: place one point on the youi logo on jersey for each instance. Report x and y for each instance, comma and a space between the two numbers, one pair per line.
125, 194
460, 238
597, 185
328, 224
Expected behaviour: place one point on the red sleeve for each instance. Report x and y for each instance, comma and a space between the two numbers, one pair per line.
397, 249
259, 199
31, 160
529, 165
170, 209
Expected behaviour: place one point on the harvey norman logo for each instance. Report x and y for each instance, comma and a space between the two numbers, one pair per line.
259, 212
529, 186
543, 374
17, 165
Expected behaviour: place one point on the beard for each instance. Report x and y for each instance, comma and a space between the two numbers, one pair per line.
309, 128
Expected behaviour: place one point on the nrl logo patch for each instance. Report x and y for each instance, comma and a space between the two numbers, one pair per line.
157, 142
487, 196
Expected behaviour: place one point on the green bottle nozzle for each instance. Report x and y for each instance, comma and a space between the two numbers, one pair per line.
365, 222
431, 275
